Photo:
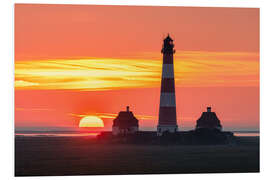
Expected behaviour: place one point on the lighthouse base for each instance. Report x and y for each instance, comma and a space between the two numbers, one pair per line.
166, 128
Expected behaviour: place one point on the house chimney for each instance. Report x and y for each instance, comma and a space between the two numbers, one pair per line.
208, 109
127, 108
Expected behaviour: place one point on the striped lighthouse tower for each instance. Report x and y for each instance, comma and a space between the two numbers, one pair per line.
167, 108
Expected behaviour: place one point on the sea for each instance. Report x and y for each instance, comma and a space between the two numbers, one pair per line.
94, 134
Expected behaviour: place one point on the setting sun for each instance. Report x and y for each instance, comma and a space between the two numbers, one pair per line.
91, 121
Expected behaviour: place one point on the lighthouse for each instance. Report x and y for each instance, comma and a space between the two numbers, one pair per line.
167, 107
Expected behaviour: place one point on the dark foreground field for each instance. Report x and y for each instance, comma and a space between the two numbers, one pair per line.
36, 156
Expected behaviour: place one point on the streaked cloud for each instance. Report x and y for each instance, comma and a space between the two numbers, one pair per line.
192, 69
113, 115
22, 83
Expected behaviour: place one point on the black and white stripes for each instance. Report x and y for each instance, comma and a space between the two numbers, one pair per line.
167, 108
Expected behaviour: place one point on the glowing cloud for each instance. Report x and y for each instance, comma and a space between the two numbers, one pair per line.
192, 68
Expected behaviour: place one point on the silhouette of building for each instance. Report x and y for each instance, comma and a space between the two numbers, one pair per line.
125, 123
167, 108
208, 120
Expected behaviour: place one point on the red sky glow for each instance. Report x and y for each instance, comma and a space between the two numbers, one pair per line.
73, 61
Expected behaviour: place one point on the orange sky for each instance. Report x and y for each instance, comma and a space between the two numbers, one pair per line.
76, 60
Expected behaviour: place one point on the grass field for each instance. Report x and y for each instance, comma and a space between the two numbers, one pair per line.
85, 156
